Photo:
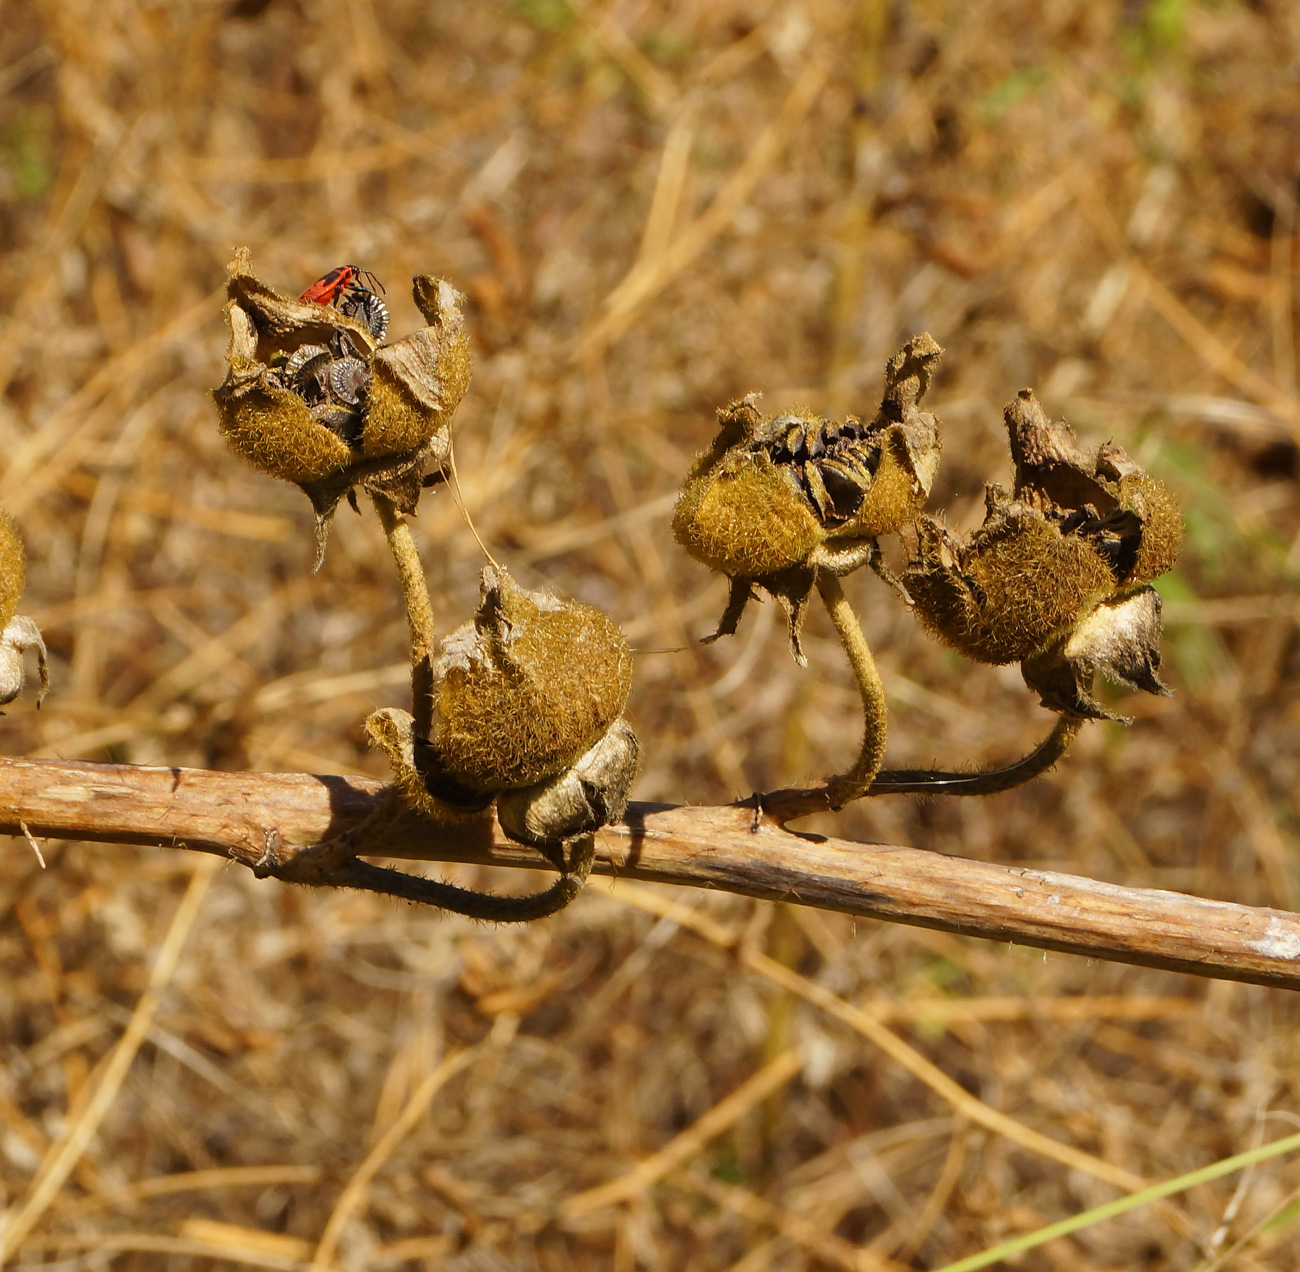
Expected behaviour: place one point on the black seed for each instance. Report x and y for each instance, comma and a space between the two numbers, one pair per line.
846, 493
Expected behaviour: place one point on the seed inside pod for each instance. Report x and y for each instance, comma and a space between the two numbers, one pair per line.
369, 310
348, 379
303, 369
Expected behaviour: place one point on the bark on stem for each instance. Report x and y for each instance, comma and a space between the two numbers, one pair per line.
852, 783
262, 818
419, 609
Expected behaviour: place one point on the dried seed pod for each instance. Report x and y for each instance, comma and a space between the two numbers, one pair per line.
581, 799
1004, 593
776, 498
521, 693
18, 633
1129, 516
1057, 576
311, 396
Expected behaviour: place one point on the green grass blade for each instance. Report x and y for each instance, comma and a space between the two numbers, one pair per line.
1123, 1205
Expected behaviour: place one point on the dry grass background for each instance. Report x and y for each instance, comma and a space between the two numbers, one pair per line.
654, 207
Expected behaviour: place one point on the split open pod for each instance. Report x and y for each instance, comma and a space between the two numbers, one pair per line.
1058, 578
313, 396
779, 499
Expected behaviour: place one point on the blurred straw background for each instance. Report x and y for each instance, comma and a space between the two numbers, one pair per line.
654, 208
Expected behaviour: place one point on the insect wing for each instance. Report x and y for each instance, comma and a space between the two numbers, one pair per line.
328, 288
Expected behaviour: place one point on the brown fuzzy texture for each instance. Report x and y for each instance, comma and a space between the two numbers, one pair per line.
910, 445
759, 500
392, 731
778, 498
1054, 473
527, 688
273, 430
13, 573
1047, 571
1001, 596
740, 514
896, 494
1162, 526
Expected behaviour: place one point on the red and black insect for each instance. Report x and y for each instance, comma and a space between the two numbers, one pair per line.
341, 280
353, 291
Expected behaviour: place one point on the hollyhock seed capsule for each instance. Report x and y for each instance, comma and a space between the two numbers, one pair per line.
1058, 576
312, 396
777, 498
526, 708
522, 692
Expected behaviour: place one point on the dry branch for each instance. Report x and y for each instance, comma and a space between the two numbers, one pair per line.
268, 820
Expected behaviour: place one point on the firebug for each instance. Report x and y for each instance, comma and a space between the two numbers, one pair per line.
339, 282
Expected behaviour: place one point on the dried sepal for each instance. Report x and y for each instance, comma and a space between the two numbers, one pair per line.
1102, 495
581, 799
777, 498
417, 383
18, 633
311, 397
522, 692
1119, 638
1057, 578
392, 731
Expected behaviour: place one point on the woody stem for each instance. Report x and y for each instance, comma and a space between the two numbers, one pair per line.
419, 610
849, 785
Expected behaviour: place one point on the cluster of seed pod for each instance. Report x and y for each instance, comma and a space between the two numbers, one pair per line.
332, 378
523, 707
1058, 578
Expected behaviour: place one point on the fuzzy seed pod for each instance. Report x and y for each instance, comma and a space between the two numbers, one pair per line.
1003, 594
18, 633
313, 397
776, 498
522, 692
1057, 578
13, 569
527, 705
